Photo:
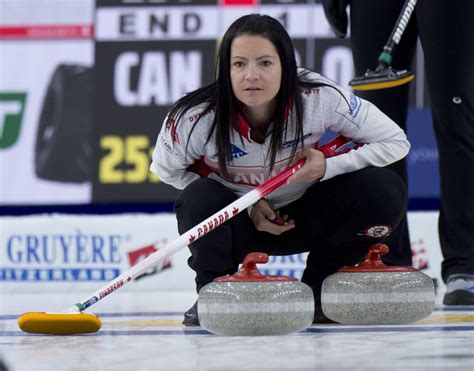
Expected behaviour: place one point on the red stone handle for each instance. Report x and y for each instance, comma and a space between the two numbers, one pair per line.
249, 266
373, 262
373, 257
250, 273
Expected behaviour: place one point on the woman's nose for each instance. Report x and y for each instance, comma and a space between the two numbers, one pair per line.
252, 74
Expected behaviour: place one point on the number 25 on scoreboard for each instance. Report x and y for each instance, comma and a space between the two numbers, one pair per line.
127, 160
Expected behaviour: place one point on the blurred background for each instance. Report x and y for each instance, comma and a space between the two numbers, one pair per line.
84, 88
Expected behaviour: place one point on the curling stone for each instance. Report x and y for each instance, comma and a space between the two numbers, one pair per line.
372, 293
249, 303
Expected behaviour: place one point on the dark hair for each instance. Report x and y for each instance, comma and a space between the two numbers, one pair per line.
219, 95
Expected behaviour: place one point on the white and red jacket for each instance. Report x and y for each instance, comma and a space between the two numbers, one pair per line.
382, 143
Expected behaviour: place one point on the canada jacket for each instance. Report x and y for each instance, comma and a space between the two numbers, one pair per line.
380, 142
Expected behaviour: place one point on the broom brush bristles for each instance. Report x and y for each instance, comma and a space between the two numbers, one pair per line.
59, 323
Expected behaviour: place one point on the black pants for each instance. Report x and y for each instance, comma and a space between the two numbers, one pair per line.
445, 32
332, 221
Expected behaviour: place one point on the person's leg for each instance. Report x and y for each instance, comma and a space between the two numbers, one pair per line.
335, 220
446, 36
217, 253
372, 22
338, 219
374, 202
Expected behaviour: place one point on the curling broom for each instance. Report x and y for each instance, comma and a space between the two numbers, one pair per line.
384, 76
72, 321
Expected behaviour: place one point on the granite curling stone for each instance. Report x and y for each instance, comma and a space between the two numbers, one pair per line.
249, 303
372, 293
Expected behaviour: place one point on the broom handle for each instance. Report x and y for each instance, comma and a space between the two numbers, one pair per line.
329, 149
190, 236
385, 58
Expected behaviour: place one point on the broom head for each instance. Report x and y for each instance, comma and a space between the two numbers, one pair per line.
59, 323
381, 79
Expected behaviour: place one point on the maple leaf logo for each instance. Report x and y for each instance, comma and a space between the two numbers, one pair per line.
192, 238
235, 211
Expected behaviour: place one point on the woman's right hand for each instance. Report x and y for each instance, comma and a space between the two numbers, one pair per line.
268, 220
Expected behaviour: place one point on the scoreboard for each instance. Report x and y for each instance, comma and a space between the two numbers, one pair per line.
85, 86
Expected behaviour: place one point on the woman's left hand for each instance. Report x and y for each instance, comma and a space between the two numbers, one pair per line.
268, 220
313, 169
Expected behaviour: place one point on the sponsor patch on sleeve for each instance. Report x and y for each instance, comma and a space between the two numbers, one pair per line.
167, 146
377, 231
353, 109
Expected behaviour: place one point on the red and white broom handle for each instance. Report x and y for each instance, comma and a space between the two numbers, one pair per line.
190, 236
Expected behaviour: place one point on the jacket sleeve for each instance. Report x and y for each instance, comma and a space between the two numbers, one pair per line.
171, 158
381, 140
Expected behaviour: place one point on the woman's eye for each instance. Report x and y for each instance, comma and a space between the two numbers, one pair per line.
266, 63
238, 64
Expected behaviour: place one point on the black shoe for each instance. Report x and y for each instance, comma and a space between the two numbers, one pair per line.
459, 290
319, 316
191, 316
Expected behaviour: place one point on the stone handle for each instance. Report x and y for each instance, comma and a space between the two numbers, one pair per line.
373, 256
249, 272
249, 266
373, 262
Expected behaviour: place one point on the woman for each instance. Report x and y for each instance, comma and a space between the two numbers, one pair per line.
257, 117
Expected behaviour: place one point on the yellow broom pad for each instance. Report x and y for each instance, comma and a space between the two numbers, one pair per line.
59, 323
383, 84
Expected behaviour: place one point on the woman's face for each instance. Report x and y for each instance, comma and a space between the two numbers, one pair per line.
255, 70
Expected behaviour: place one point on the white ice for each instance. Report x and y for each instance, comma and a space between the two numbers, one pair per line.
142, 331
